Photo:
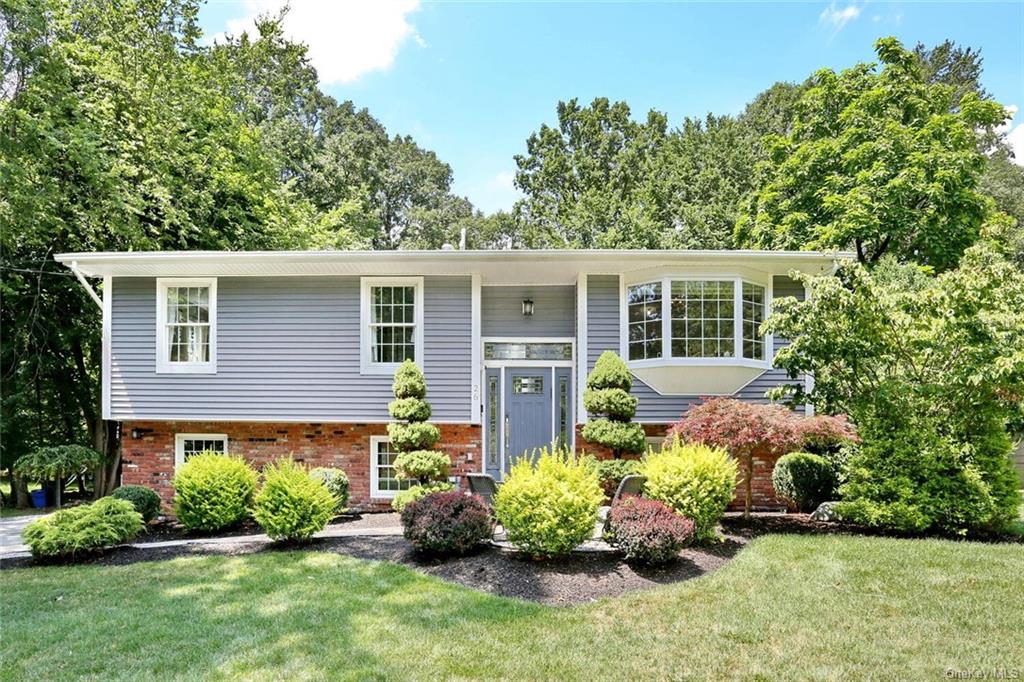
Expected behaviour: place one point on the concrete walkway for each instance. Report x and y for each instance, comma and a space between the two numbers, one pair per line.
10, 532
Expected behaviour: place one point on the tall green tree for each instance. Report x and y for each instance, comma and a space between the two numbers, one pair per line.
878, 162
586, 180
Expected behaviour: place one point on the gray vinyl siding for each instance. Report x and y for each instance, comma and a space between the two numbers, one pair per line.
554, 311
287, 349
603, 321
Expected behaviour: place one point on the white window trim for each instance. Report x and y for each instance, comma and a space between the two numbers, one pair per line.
375, 492
666, 358
366, 363
163, 362
179, 444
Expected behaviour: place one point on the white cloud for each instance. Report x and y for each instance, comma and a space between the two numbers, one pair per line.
346, 40
1014, 134
838, 18
495, 193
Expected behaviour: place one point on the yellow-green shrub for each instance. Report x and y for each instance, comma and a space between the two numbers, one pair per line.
403, 498
696, 481
550, 506
213, 491
83, 529
292, 504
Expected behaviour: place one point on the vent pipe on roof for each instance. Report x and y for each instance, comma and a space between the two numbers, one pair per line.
462, 240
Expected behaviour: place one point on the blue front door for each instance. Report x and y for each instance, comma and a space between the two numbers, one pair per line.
528, 411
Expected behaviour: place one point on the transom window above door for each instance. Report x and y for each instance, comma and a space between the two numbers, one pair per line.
391, 314
696, 321
186, 326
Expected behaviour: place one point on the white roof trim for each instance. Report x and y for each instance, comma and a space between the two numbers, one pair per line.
556, 266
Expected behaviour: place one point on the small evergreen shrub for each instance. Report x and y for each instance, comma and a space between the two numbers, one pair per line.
405, 497
84, 529
336, 482
423, 465
610, 473
697, 481
413, 436
549, 506
444, 523
213, 491
804, 480
145, 501
621, 437
292, 504
648, 531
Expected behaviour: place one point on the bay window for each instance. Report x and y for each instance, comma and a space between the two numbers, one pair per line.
713, 320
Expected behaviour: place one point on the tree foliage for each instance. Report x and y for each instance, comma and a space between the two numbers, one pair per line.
932, 372
877, 161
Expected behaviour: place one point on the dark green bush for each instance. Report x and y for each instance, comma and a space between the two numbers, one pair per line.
610, 473
611, 401
413, 436
804, 480
336, 482
292, 504
145, 501
84, 529
403, 498
447, 523
609, 372
608, 400
213, 491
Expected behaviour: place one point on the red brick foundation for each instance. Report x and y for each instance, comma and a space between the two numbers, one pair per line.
763, 492
149, 460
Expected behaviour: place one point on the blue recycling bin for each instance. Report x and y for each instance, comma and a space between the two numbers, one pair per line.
39, 498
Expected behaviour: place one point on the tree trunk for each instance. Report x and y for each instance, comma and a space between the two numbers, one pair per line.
19, 488
748, 501
106, 441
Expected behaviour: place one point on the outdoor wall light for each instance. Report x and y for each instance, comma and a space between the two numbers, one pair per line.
527, 307
138, 433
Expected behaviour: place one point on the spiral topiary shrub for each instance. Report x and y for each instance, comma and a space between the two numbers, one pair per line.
213, 491
336, 482
413, 437
804, 480
85, 529
292, 504
445, 523
648, 531
549, 506
423, 465
145, 501
696, 481
607, 397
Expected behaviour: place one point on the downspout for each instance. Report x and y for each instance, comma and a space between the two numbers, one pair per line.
81, 278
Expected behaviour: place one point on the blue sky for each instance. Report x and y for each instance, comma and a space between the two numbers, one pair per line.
471, 81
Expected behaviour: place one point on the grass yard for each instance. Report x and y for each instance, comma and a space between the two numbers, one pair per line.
824, 607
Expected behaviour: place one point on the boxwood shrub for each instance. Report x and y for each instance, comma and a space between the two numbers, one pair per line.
648, 531
145, 500
447, 523
336, 482
416, 492
549, 506
213, 491
292, 504
804, 480
610, 473
696, 481
85, 529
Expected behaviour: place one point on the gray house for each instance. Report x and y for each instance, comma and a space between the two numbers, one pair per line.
266, 354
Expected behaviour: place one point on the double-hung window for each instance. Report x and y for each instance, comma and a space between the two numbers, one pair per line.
186, 326
384, 482
693, 320
391, 314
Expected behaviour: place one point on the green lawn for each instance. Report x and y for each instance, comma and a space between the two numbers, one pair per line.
827, 607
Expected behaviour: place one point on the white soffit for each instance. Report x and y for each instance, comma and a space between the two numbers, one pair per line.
495, 267
697, 380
